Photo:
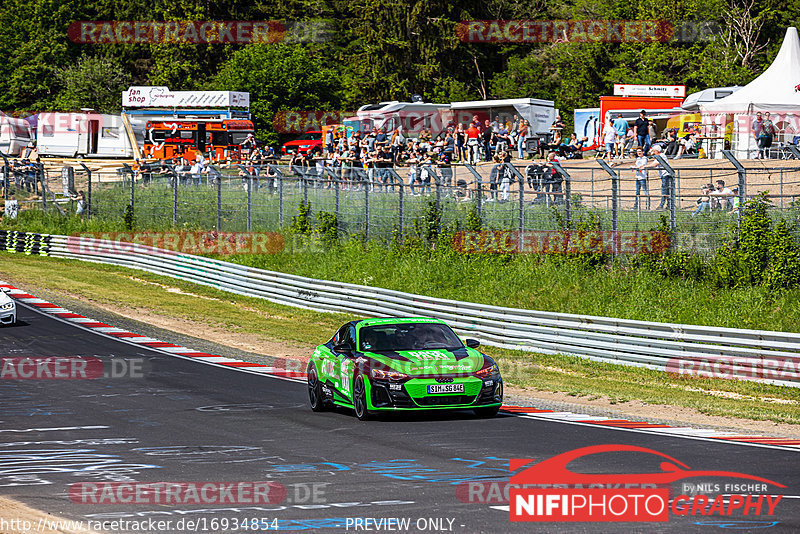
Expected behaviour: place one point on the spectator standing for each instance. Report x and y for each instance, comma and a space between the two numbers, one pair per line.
461, 141
522, 136
640, 166
666, 178
609, 140
328, 141
473, 135
621, 128
488, 137
642, 126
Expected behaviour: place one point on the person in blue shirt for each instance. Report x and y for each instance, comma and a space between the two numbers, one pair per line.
621, 128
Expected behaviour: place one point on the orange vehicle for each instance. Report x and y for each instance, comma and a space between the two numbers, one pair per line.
219, 140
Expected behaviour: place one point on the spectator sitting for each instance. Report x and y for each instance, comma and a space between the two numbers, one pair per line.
721, 197
704, 202
670, 142
687, 145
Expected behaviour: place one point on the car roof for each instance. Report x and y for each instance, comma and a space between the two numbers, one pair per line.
397, 320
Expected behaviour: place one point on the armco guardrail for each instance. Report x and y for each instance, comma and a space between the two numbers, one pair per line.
687, 349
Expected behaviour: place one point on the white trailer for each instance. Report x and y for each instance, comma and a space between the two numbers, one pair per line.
410, 117
540, 113
84, 134
15, 135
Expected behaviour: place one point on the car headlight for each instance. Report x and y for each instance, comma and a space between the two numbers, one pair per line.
388, 375
487, 371
7, 306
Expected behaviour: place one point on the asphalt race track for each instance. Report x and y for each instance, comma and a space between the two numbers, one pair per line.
179, 420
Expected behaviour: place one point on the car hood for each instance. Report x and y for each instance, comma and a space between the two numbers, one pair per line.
5, 299
428, 361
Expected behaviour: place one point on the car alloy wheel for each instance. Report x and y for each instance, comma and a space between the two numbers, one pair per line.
360, 398
314, 390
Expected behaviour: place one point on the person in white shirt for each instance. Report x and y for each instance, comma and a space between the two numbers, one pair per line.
721, 197
641, 178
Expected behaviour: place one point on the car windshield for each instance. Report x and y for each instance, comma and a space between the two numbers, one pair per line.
408, 336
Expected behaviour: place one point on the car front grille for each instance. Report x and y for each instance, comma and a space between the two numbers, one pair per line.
444, 380
445, 400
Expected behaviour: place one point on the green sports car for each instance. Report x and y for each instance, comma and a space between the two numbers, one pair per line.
381, 365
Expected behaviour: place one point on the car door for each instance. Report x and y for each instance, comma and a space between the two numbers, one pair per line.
335, 367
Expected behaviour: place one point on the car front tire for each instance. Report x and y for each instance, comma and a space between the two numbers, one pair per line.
360, 398
314, 389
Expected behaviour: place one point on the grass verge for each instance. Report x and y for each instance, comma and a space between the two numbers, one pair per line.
558, 373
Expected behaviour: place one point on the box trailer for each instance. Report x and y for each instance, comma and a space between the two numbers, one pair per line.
539, 113
84, 134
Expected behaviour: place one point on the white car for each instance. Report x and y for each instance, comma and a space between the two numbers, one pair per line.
8, 308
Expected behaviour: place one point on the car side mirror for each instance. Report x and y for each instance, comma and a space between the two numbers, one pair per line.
473, 343
343, 347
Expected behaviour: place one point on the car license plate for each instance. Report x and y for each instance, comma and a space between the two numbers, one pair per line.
446, 388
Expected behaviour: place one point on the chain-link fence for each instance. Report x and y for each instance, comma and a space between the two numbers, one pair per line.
382, 203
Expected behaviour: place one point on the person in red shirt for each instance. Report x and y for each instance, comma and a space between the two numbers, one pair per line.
473, 142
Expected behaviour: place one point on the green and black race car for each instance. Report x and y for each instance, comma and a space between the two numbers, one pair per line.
380, 365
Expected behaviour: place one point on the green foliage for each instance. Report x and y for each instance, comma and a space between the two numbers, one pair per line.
94, 82
433, 221
327, 228
128, 217
301, 223
474, 222
279, 77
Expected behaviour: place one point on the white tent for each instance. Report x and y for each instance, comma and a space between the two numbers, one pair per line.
773, 91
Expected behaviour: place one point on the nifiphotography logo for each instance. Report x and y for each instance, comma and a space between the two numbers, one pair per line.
549, 491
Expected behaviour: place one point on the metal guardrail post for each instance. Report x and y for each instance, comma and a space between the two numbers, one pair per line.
88, 191
742, 172
567, 190
673, 216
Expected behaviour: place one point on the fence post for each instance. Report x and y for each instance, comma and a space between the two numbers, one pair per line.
567, 190
249, 203
399, 204
5, 176
175, 180
336, 202
366, 213
677, 188
614, 200
42, 185
88, 191
279, 179
673, 216
781, 190
219, 205
742, 175
479, 189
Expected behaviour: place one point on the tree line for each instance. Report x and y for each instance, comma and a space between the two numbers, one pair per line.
375, 50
